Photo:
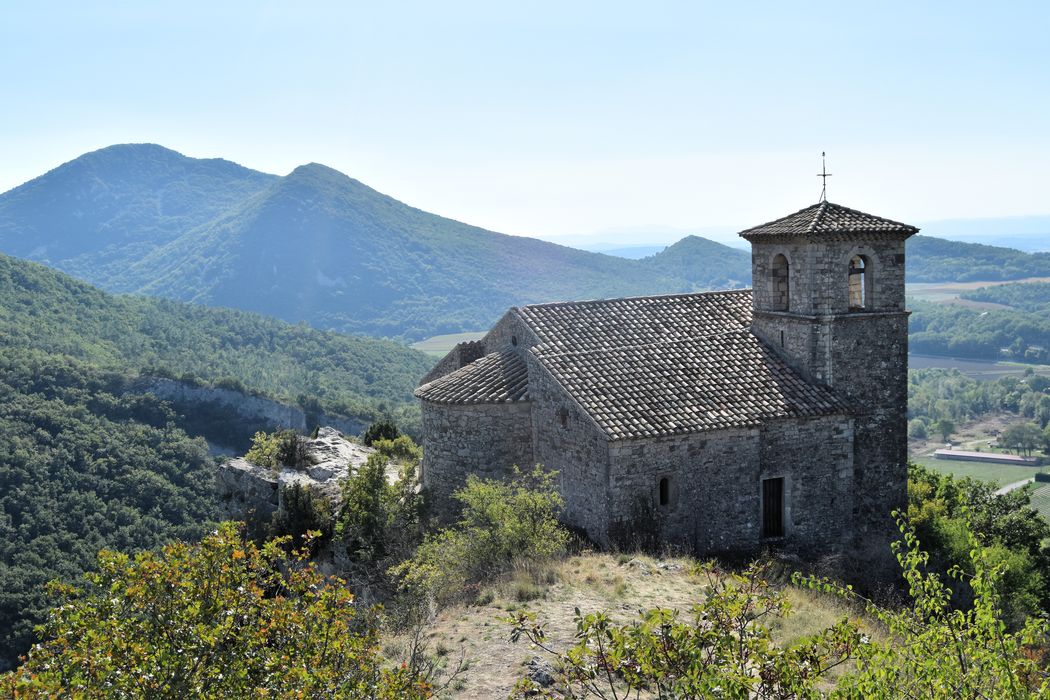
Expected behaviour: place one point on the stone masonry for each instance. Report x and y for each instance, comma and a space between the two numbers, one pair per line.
719, 422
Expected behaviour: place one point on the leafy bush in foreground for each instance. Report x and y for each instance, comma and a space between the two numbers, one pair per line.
218, 619
504, 524
927, 649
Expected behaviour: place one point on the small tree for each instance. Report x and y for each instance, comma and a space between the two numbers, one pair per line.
381, 523
302, 512
280, 448
218, 619
504, 524
1022, 437
917, 429
945, 427
932, 650
380, 430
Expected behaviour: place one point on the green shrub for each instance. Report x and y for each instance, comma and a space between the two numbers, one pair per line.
504, 525
282, 448
379, 521
302, 512
949, 514
222, 618
380, 430
401, 449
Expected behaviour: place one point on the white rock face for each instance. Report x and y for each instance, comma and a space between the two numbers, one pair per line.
245, 489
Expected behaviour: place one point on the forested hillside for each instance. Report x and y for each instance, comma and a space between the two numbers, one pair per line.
939, 260
94, 215
1020, 331
1033, 297
719, 266
320, 247
83, 467
50, 311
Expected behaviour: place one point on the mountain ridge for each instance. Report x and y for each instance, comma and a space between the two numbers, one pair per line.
319, 246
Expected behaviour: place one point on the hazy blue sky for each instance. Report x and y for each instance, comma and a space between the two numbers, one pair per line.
558, 118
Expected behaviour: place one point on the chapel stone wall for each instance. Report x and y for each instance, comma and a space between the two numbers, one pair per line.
482, 439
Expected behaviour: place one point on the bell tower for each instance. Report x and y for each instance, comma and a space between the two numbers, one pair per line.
828, 295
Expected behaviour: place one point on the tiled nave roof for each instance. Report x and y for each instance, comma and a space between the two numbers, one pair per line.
712, 382
648, 366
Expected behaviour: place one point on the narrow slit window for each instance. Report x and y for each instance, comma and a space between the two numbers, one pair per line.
780, 283
665, 491
773, 507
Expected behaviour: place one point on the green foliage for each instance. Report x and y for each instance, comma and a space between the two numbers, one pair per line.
504, 524
380, 430
936, 394
400, 449
356, 376
84, 466
932, 649
917, 428
951, 515
924, 649
1022, 437
281, 448
1027, 296
301, 513
992, 334
219, 619
938, 260
945, 427
382, 522
722, 648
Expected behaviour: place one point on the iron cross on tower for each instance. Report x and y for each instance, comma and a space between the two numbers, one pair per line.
824, 174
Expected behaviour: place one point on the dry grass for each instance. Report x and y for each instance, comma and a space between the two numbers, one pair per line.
620, 584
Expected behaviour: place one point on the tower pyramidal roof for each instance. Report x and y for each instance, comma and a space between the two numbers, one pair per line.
825, 219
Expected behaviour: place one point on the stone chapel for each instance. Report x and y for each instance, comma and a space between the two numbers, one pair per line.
724, 422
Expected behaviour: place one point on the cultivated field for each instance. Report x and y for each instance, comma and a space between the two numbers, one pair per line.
948, 292
1041, 499
999, 474
985, 370
439, 345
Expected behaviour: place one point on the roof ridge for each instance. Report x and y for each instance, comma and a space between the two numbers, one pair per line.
617, 348
822, 209
779, 218
672, 295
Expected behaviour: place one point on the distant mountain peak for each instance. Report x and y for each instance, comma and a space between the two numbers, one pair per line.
317, 169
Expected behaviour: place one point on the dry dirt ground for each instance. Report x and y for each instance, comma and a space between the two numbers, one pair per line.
621, 585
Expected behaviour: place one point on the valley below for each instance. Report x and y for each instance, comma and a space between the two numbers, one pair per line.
192, 310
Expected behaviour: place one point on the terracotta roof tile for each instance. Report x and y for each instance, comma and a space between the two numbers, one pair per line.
613, 323
827, 219
712, 382
648, 366
500, 377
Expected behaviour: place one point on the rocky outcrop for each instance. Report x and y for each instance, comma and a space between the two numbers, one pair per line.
247, 491
269, 411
